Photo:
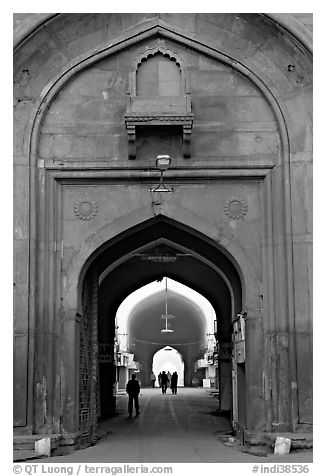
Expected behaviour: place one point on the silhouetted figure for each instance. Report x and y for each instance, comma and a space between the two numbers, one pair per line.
169, 377
133, 389
174, 382
153, 378
164, 382
159, 377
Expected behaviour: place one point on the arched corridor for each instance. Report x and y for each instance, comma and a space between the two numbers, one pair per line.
141, 330
120, 267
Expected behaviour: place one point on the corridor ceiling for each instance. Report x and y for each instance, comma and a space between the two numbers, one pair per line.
145, 322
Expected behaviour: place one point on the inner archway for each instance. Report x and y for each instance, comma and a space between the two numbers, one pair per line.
143, 254
141, 330
169, 360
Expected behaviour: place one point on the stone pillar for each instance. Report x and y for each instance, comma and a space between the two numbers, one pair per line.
24, 331
94, 357
254, 352
225, 376
43, 325
70, 344
276, 311
225, 385
187, 370
282, 323
277, 390
49, 316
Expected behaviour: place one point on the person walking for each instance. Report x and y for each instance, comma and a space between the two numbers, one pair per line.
159, 377
174, 383
133, 390
169, 377
153, 378
164, 382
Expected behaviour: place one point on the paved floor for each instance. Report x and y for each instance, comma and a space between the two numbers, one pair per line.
171, 428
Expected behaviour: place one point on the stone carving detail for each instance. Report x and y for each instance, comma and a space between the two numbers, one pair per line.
85, 209
235, 208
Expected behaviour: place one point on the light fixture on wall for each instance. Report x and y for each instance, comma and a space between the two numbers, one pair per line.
167, 316
162, 163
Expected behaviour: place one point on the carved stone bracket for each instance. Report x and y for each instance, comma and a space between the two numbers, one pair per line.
159, 119
187, 139
131, 132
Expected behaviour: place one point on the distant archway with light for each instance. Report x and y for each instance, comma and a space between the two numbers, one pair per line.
169, 360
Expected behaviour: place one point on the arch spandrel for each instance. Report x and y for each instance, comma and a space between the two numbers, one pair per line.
213, 231
96, 245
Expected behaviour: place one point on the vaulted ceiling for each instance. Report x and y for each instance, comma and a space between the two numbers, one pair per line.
146, 323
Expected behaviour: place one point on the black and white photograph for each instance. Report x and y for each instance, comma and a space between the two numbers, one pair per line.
162, 241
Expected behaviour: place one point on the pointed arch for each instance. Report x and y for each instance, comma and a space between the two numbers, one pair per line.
108, 254
175, 363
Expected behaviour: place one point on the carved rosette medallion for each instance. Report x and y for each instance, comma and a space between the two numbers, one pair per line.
235, 208
85, 209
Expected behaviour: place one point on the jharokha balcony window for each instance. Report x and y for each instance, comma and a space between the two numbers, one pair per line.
159, 96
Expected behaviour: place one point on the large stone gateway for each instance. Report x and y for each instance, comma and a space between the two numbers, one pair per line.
97, 98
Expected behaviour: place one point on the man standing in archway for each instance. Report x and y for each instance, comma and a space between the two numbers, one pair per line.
165, 381
153, 379
174, 382
133, 390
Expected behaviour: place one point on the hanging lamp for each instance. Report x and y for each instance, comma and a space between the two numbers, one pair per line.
166, 316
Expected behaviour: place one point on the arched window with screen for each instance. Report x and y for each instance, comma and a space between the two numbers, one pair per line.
158, 75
